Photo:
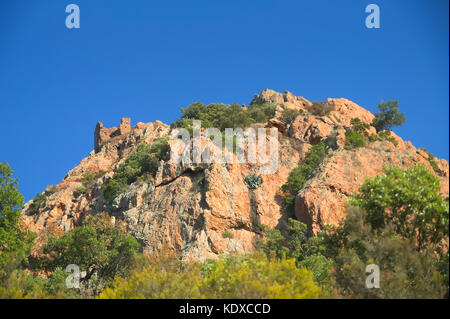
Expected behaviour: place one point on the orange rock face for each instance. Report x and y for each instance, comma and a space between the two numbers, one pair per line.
189, 207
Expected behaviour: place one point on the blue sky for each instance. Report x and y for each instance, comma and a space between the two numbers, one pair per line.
146, 59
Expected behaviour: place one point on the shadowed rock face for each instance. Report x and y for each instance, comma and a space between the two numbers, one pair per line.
187, 208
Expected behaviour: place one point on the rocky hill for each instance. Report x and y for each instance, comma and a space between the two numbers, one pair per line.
207, 209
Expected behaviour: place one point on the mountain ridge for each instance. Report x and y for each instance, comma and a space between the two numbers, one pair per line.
205, 210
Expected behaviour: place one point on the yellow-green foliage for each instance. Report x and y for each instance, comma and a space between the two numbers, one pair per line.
257, 277
152, 283
20, 285
252, 276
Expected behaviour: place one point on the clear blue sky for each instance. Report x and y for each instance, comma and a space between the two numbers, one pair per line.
146, 59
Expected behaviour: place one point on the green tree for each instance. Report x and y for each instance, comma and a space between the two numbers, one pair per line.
261, 113
405, 272
409, 199
15, 240
388, 116
97, 247
221, 116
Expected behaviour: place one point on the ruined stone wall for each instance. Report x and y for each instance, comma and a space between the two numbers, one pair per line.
102, 134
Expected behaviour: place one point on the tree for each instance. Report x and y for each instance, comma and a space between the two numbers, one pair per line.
220, 116
388, 116
96, 247
409, 199
405, 272
398, 221
15, 241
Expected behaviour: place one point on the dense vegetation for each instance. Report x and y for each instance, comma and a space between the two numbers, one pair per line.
300, 174
397, 221
358, 135
15, 241
96, 246
223, 116
250, 276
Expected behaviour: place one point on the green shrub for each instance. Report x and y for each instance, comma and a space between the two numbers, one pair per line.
320, 108
80, 190
38, 200
50, 190
261, 113
227, 234
386, 136
400, 222
353, 140
358, 126
249, 276
113, 188
298, 243
382, 136
357, 135
252, 181
143, 161
256, 276
289, 115
97, 247
300, 174
405, 271
89, 178
220, 116
408, 199
320, 266
432, 161
373, 137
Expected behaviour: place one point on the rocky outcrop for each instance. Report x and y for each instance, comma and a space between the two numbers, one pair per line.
323, 198
189, 207
103, 135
